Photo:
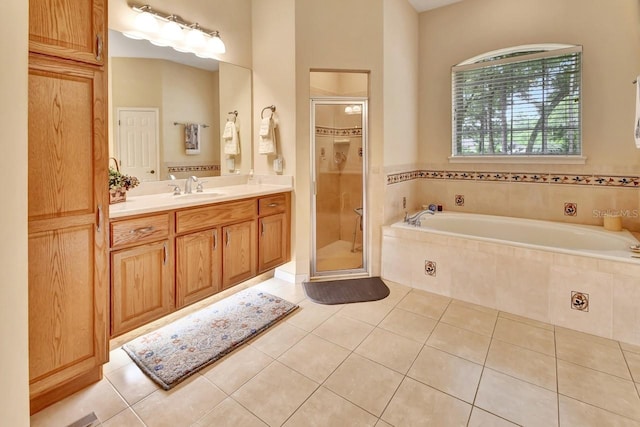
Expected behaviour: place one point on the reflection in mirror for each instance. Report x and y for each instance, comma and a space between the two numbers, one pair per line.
158, 95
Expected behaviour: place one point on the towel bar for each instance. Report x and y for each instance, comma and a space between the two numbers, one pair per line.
178, 123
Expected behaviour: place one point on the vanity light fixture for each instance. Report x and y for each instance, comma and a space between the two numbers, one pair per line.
353, 109
181, 35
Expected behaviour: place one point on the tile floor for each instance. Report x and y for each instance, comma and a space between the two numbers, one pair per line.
413, 359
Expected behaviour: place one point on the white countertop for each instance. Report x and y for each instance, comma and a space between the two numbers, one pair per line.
136, 205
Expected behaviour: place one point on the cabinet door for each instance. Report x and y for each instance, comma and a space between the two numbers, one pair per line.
68, 202
239, 255
273, 242
72, 29
141, 285
198, 266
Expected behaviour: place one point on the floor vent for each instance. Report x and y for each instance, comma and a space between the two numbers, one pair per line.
89, 420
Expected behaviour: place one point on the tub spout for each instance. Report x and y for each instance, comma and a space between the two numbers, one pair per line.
415, 218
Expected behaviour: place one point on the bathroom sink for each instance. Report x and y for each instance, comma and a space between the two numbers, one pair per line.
197, 196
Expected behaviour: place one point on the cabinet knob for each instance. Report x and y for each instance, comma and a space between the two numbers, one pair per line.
152, 171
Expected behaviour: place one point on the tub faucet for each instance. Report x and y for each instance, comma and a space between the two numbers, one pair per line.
187, 184
415, 218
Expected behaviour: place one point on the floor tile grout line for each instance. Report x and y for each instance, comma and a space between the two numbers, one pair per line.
322, 384
624, 356
626, 417
526, 323
404, 378
555, 349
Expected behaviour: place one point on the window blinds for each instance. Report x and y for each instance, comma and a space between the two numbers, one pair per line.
525, 103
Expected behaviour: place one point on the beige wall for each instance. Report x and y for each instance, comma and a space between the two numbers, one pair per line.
338, 35
235, 95
608, 31
274, 84
14, 374
400, 83
400, 103
231, 17
610, 35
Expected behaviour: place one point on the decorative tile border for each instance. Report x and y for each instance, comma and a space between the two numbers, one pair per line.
327, 131
204, 168
595, 180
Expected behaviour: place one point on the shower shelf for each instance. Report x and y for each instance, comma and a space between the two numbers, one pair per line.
342, 141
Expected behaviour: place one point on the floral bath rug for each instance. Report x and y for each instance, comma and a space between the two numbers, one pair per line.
178, 350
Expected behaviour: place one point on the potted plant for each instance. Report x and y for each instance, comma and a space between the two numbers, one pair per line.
119, 184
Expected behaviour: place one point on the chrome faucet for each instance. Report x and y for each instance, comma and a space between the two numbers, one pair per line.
176, 188
415, 218
187, 184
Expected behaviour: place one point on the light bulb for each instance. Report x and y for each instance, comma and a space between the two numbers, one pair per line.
195, 38
215, 44
147, 23
172, 31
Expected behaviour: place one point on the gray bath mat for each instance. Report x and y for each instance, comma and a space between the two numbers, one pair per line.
346, 291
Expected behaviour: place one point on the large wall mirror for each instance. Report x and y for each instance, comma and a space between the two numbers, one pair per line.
169, 111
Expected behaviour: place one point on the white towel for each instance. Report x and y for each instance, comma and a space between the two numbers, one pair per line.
192, 138
637, 122
265, 127
231, 139
267, 136
229, 128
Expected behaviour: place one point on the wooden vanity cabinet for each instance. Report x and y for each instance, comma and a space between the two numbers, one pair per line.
198, 266
68, 198
239, 253
71, 29
216, 247
142, 286
236, 222
274, 231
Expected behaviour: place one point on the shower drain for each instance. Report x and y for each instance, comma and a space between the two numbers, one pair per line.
579, 301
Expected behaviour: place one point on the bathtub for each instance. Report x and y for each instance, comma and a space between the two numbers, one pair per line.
531, 268
585, 240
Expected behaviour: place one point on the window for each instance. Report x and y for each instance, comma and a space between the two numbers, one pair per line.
523, 101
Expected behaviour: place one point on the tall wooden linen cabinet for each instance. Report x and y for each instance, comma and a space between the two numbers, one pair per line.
68, 197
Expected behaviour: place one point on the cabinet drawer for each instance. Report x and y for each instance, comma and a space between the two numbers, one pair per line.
210, 216
272, 204
139, 230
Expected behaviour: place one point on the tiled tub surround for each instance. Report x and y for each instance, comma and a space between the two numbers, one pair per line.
535, 195
535, 281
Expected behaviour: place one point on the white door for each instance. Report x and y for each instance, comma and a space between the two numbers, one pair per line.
137, 147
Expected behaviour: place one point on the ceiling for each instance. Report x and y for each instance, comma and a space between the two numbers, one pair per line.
423, 5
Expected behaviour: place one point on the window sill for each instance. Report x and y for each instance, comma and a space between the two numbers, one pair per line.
519, 160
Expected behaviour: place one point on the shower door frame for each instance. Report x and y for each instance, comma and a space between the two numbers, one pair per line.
364, 102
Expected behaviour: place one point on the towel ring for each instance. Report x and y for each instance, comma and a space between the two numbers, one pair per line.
270, 107
235, 115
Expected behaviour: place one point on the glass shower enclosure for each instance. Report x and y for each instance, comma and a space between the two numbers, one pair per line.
339, 135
